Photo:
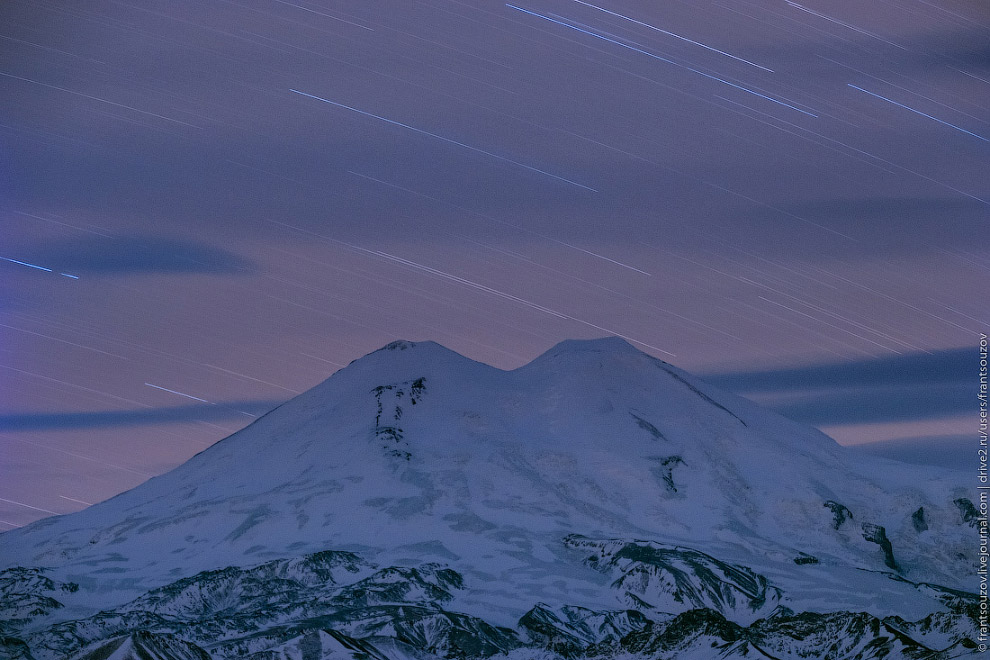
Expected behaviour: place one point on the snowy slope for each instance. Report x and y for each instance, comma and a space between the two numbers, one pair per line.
594, 478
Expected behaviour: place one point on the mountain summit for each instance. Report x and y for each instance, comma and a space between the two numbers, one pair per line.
587, 501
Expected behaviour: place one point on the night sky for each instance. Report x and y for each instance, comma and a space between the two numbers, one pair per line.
209, 206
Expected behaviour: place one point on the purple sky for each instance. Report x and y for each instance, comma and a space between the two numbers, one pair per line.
210, 206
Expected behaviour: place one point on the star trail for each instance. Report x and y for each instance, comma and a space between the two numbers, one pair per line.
208, 207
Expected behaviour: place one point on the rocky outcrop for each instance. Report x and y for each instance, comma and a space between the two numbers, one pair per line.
569, 630
669, 578
877, 534
144, 645
969, 514
840, 513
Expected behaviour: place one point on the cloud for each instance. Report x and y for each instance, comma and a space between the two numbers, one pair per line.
128, 255
953, 451
67, 421
872, 404
919, 386
897, 221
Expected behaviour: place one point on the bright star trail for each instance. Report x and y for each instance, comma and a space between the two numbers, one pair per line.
24, 263
919, 112
671, 34
662, 59
209, 208
165, 389
440, 137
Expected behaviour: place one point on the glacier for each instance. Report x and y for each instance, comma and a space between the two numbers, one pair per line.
596, 502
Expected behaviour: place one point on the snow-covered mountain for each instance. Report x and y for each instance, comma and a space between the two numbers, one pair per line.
419, 504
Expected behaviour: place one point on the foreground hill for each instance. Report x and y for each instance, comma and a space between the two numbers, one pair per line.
596, 501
